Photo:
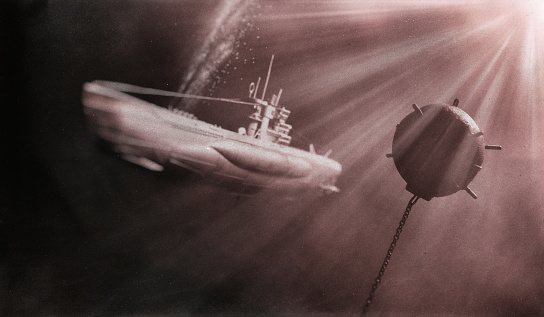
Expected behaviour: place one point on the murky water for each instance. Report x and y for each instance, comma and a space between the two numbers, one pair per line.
89, 233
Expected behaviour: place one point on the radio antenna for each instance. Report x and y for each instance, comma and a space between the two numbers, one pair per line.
267, 76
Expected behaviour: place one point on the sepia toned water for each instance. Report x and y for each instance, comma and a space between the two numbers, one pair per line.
86, 233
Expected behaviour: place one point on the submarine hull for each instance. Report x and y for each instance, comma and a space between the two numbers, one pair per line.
152, 136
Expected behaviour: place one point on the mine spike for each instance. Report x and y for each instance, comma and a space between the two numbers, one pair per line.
471, 193
456, 102
417, 109
389, 155
493, 147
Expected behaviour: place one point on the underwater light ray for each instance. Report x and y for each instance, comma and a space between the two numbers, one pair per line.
532, 78
496, 61
348, 112
366, 9
457, 170
358, 123
367, 136
456, 75
360, 128
490, 102
401, 78
349, 70
520, 119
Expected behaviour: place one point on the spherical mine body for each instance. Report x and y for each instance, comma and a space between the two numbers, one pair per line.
438, 150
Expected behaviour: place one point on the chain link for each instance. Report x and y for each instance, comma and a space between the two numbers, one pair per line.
378, 279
